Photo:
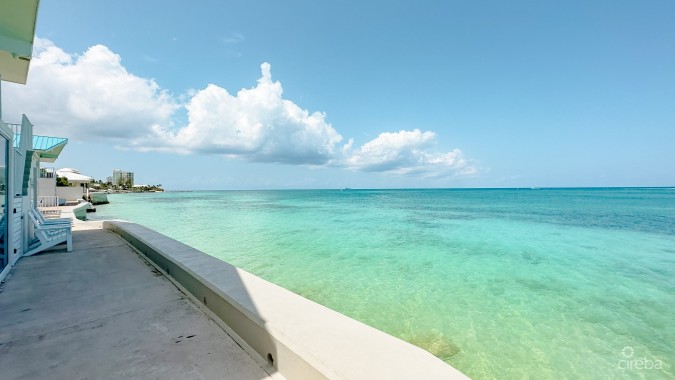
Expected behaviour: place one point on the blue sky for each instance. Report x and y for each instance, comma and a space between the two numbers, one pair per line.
300, 94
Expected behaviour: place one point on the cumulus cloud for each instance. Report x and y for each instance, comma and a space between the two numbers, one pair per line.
256, 124
93, 97
407, 152
89, 96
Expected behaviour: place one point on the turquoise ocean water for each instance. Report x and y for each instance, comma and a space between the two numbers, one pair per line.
501, 284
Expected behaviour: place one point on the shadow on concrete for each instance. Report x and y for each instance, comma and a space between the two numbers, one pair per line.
219, 289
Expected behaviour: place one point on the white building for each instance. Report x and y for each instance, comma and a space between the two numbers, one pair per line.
123, 178
20, 151
77, 185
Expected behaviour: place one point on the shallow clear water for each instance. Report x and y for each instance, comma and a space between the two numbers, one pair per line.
540, 284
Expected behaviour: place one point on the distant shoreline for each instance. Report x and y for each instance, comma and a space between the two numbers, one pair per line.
415, 189
125, 191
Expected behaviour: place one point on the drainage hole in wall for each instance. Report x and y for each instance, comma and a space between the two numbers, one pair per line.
270, 359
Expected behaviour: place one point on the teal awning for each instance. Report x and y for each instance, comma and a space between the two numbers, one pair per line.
47, 147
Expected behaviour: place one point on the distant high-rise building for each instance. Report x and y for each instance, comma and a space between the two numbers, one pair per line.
108, 179
123, 178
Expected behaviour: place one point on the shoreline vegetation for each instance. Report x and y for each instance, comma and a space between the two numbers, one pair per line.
126, 191
98, 195
110, 188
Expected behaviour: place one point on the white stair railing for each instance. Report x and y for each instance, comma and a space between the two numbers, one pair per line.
48, 205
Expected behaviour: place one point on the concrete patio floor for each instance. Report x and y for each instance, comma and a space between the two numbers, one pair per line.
102, 312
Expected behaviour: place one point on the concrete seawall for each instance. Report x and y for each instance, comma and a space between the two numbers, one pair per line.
284, 331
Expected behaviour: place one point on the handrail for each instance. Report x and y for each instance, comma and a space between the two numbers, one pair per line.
48, 205
16, 128
47, 173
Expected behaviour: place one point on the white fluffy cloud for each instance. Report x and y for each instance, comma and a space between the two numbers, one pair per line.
257, 124
93, 97
407, 152
88, 96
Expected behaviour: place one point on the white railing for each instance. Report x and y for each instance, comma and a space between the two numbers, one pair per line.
47, 173
16, 128
48, 205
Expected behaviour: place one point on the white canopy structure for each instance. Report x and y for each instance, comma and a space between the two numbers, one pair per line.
73, 175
